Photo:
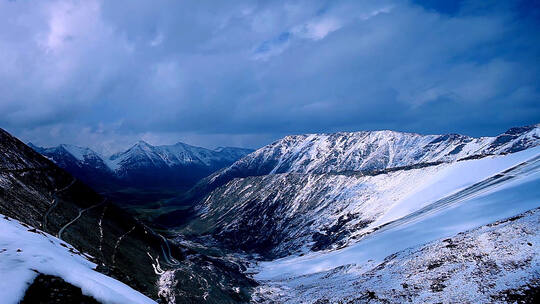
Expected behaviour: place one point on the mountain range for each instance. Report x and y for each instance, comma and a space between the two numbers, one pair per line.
142, 168
349, 217
325, 213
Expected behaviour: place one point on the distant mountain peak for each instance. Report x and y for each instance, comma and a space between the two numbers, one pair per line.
143, 162
141, 142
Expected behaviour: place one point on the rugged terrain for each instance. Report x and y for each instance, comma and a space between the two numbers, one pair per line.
40, 195
363, 217
496, 263
277, 215
324, 219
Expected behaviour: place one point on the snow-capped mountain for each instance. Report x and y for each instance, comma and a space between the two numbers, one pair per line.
83, 163
66, 155
178, 164
143, 165
367, 151
143, 154
42, 204
375, 150
359, 217
280, 214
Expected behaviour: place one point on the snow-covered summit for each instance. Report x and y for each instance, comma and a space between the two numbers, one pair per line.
179, 154
377, 150
80, 155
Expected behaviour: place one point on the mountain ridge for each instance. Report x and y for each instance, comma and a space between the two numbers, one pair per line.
363, 151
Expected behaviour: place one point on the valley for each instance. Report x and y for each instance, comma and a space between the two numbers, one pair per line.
307, 219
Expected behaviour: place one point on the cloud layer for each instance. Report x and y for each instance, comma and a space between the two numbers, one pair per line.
104, 73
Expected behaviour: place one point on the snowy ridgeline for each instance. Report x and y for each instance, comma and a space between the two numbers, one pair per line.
158, 156
374, 150
25, 252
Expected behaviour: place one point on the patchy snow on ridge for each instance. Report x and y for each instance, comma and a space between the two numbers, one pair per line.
513, 192
496, 263
25, 251
372, 150
78, 152
292, 213
159, 156
179, 154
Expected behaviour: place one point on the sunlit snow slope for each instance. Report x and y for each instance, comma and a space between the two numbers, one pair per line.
517, 190
496, 263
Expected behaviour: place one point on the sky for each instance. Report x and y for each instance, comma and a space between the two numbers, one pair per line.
105, 74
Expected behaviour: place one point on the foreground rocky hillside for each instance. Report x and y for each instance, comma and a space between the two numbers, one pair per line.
496, 263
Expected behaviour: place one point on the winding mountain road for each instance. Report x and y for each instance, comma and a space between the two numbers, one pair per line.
55, 203
59, 235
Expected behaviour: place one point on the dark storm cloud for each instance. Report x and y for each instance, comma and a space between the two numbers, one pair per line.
244, 73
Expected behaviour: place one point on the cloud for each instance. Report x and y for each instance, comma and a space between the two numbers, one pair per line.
316, 30
105, 73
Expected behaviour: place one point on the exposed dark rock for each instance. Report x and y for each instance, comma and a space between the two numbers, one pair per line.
47, 289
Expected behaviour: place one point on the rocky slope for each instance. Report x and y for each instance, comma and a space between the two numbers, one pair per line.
39, 194
496, 263
280, 214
